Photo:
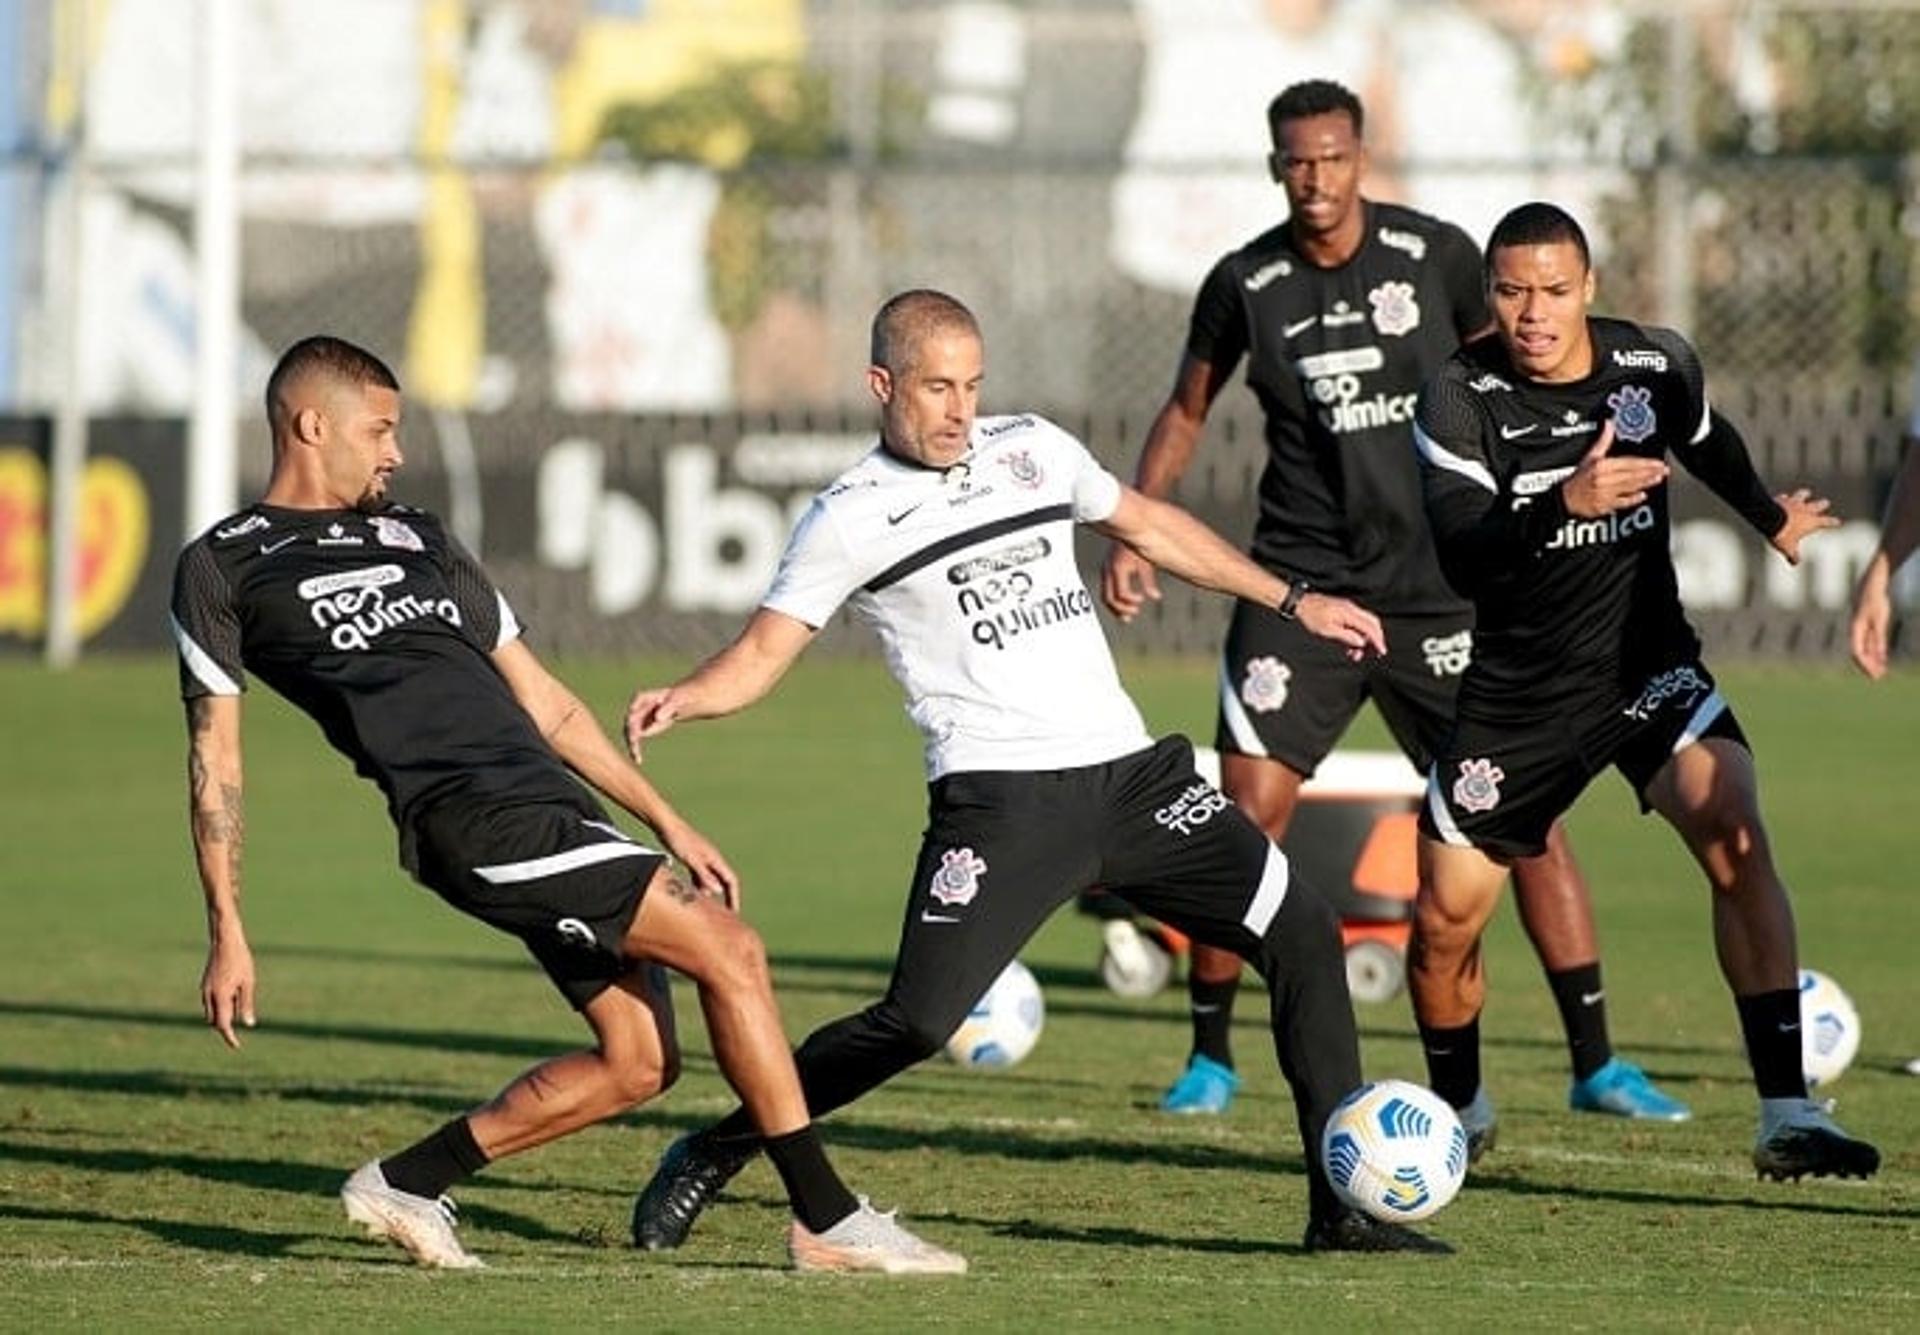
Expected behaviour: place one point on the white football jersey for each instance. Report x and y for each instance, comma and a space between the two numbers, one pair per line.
968, 575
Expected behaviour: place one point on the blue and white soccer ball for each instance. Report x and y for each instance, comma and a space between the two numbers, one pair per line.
1003, 1025
1829, 1028
1395, 1150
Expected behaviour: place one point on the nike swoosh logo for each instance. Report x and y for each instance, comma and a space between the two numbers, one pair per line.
269, 548
935, 917
1515, 432
1299, 326
1790, 1028
1592, 998
1206, 1010
894, 519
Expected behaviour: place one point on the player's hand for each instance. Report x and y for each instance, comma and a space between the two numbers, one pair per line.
1127, 582
650, 713
1602, 483
702, 859
1806, 514
1872, 619
1343, 622
226, 987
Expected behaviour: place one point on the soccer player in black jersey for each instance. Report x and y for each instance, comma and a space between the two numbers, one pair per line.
1341, 313
371, 618
1543, 452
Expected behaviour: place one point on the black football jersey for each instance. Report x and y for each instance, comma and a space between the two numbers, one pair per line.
380, 627
1567, 608
1336, 358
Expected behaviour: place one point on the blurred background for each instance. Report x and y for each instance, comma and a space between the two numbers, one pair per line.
623, 254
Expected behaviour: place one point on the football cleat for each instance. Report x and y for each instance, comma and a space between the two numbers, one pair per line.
421, 1224
868, 1240
690, 1175
1352, 1231
1481, 1124
1621, 1088
1800, 1140
1204, 1088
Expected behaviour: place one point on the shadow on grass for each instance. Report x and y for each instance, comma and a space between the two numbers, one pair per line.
197, 1234
168, 1085
276, 1175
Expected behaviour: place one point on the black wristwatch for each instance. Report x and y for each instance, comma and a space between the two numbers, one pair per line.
1289, 607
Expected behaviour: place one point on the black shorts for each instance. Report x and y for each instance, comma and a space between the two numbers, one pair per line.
1499, 785
554, 874
1287, 694
1004, 849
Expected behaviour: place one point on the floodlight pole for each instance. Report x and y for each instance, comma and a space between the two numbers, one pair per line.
68, 455
213, 472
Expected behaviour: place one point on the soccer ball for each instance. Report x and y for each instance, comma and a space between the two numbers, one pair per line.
1394, 1150
1829, 1028
1003, 1025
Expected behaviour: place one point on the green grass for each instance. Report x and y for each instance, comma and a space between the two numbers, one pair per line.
149, 1177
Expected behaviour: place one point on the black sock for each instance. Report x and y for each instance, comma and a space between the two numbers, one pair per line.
1771, 1023
820, 1199
735, 1133
1583, 1013
1212, 1012
448, 1156
1453, 1061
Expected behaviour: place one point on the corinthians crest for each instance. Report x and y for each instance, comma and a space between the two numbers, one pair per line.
1478, 787
1633, 419
1023, 469
958, 879
1265, 687
1395, 311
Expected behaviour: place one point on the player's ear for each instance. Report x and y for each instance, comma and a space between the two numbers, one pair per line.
1277, 166
880, 384
1590, 286
308, 426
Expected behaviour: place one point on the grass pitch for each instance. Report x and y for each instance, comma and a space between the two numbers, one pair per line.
150, 1178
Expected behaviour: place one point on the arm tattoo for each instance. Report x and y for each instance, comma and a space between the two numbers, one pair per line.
216, 820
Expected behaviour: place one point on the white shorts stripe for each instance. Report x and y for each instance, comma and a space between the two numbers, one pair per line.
1246, 739
200, 663
1710, 709
533, 869
1442, 818
1271, 894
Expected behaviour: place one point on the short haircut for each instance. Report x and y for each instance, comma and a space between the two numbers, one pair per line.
909, 318
323, 355
1314, 97
1538, 224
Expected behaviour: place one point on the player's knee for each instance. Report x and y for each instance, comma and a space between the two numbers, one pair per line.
737, 958
1305, 931
633, 1081
635, 1072
1731, 840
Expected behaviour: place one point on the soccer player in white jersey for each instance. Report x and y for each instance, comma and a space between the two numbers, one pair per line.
954, 538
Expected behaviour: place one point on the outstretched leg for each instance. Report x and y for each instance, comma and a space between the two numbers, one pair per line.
1709, 793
